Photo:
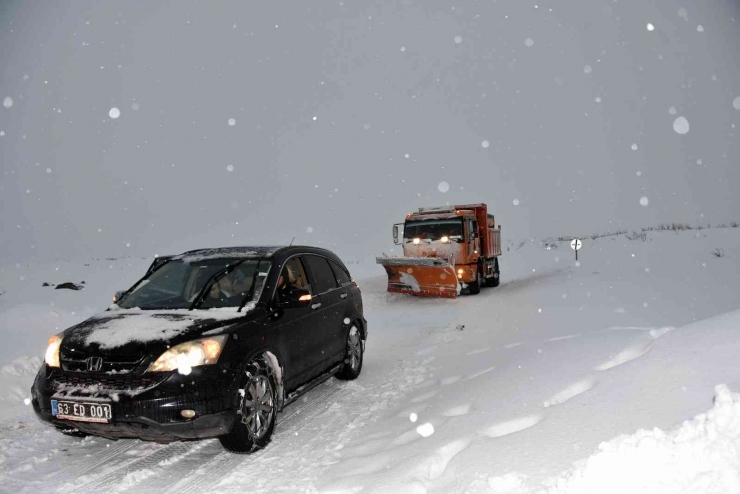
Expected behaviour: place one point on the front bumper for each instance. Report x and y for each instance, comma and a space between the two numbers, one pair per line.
144, 406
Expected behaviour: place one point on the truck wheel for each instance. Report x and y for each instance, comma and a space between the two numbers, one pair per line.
496, 278
474, 286
257, 410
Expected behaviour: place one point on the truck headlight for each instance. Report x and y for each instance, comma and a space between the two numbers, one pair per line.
52, 350
190, 354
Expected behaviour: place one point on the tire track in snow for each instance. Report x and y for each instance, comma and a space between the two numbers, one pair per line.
224, 462
571, 391
157, 467
81, 469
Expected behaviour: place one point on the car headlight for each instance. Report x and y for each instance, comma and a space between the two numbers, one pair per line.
52, 350
190, 354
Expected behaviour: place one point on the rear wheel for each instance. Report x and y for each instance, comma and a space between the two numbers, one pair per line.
256, 413
474, 286
496, 278
353, 359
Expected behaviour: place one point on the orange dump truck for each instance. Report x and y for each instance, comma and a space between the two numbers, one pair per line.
445, 250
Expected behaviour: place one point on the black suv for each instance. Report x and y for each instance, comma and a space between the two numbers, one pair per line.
210, 343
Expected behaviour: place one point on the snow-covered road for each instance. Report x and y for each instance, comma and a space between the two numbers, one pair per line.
503, 390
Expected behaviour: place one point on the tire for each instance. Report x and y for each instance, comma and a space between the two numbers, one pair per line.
496, 278
352, 365
474, 287
257, 412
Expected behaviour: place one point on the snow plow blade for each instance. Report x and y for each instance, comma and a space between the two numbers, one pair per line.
425, 276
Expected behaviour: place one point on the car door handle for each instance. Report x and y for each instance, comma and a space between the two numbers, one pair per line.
343, 296
316, 306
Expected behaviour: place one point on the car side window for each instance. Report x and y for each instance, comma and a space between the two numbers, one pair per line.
292, 277
340, 274
322, 274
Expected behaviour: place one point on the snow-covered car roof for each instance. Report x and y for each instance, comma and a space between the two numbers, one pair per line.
255, 252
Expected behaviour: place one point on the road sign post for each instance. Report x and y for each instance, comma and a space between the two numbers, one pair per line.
576, 245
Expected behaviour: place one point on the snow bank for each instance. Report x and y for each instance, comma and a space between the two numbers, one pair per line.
702, 455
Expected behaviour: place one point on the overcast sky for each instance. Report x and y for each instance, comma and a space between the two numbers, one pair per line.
347, 115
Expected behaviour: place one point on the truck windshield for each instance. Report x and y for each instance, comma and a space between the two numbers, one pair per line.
433, 230
177, 284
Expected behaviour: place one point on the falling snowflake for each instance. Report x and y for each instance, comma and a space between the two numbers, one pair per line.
485, 144
315, 118
736, 103
135, 106
413, 417
515, 202
443, 186
403, 48
639, 173
634, 147
230, 168
8, 102
114, 113
650, 27
700, 28
597, 99
683, 14
406, 155
587, 69
425, 430
232, 122
644, 201
529, 42
48, 170
681, 125
309, 229
27, 401
458, 39
672, 110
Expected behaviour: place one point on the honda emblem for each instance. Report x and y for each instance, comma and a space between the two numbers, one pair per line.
94, 364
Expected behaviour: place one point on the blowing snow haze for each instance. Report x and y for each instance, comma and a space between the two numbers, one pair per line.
153, 127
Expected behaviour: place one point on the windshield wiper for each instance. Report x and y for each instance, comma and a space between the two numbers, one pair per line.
215, 277
149, 272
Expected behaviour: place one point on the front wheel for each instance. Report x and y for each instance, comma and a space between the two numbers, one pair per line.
474, 286
352, 365
256, 413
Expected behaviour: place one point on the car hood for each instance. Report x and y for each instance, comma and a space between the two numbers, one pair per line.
138, 332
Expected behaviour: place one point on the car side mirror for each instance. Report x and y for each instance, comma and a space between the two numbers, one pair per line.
296, 298
117, 296
300, 297
396, 231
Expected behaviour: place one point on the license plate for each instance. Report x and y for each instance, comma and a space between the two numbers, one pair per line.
83, 412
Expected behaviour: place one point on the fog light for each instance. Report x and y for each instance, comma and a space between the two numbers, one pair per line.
188, 414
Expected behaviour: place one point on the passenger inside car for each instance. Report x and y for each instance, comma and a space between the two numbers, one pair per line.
292, 277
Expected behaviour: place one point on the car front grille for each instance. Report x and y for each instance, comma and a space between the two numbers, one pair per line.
108, 364
105, 382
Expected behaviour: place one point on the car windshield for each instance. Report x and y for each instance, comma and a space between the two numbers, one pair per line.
433, 230
177, 285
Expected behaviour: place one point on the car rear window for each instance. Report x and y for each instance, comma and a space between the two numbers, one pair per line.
341, 275
322, 273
